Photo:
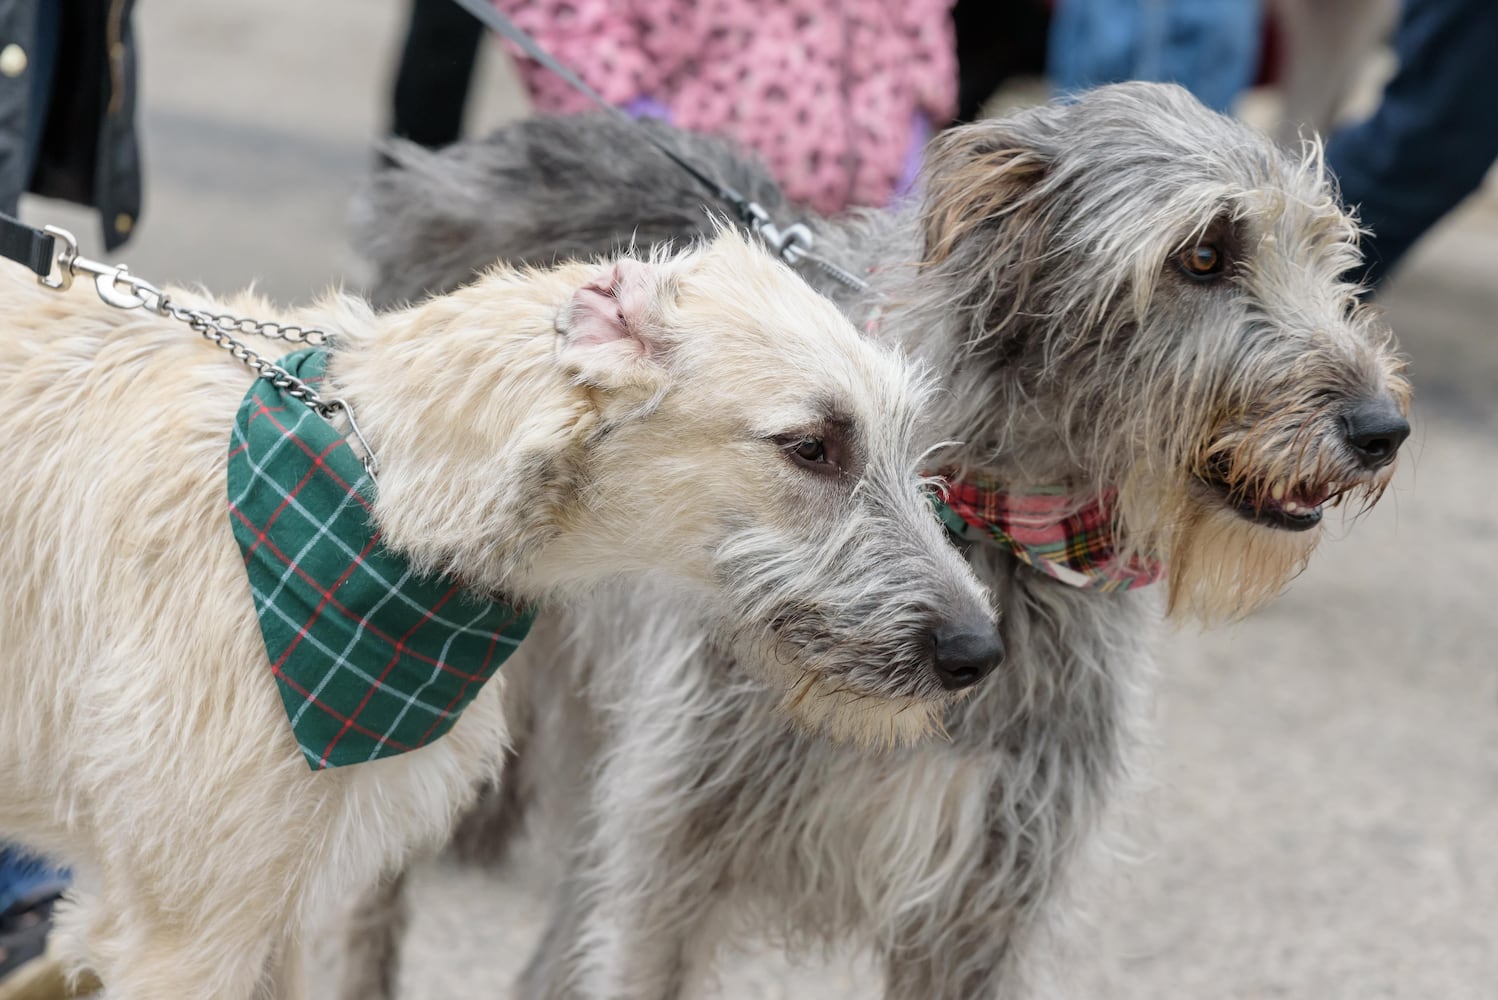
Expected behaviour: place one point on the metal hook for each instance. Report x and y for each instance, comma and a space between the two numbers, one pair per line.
371, 463
790, 245
114, 282
138, 292
63, 259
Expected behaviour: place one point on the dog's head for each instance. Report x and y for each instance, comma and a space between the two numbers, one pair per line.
1160, 308
751, 443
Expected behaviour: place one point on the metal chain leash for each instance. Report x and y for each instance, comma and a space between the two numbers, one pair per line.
218, 328
123, 290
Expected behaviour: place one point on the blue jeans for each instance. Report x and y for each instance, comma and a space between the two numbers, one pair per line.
1210, 47
24, 877
1435, 133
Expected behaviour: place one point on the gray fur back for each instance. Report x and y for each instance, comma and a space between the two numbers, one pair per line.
543, 190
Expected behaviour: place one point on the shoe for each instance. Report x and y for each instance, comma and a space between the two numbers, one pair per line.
28, 971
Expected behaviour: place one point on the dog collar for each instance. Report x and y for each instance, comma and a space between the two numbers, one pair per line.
371, 659
1047, 530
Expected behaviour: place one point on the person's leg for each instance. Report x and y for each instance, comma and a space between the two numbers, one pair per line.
436, 68
25, 879
1435, 133
996, 39
1092, 42
1210, 47
28, 890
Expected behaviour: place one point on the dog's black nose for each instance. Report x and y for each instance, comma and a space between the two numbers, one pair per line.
965, 652
1376, 429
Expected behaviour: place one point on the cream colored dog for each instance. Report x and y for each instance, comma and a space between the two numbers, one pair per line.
705, 417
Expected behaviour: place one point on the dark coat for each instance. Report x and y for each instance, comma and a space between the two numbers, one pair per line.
86, 146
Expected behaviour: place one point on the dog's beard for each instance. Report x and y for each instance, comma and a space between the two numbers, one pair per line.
836, 689
1223, 566
841, 689
843, 636
1242, 512
825, 707
1219, 566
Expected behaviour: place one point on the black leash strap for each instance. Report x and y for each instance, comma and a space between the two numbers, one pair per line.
792, 244
27, 245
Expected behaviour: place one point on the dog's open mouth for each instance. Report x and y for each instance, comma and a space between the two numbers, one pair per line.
1281, 504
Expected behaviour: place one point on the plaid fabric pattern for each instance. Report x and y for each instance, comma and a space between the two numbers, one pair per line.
371, 659
1048, 531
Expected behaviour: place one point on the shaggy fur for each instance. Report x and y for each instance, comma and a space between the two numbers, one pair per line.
1046, 276
539, 433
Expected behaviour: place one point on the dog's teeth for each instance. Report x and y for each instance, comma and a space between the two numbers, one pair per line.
1277, 491
1292, 507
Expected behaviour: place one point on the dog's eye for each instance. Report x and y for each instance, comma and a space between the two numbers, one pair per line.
811, 450
1201, 261
811, 453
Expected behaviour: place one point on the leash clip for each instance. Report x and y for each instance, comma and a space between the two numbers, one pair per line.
62, 260
114, 282
791, 244
327, 408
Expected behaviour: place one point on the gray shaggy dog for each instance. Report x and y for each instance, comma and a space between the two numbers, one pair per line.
1128, 298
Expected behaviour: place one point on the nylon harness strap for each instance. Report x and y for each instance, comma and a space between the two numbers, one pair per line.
493, 19
26, 245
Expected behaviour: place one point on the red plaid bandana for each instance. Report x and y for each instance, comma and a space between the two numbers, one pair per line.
1048, 531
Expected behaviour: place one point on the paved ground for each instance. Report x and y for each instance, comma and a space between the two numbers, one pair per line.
1322, 820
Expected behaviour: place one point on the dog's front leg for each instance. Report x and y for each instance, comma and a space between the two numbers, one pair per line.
372, 939
286, 972
551, 973
940, 961
631, 918
602, 943
140, 953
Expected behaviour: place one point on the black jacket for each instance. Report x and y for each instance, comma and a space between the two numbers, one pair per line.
88, 152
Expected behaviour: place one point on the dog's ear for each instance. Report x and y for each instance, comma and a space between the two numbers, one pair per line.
977, 175
611, 329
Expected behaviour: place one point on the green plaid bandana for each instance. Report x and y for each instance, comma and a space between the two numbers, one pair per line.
371, 659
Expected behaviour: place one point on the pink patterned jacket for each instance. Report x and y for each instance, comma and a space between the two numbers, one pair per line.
837, 96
